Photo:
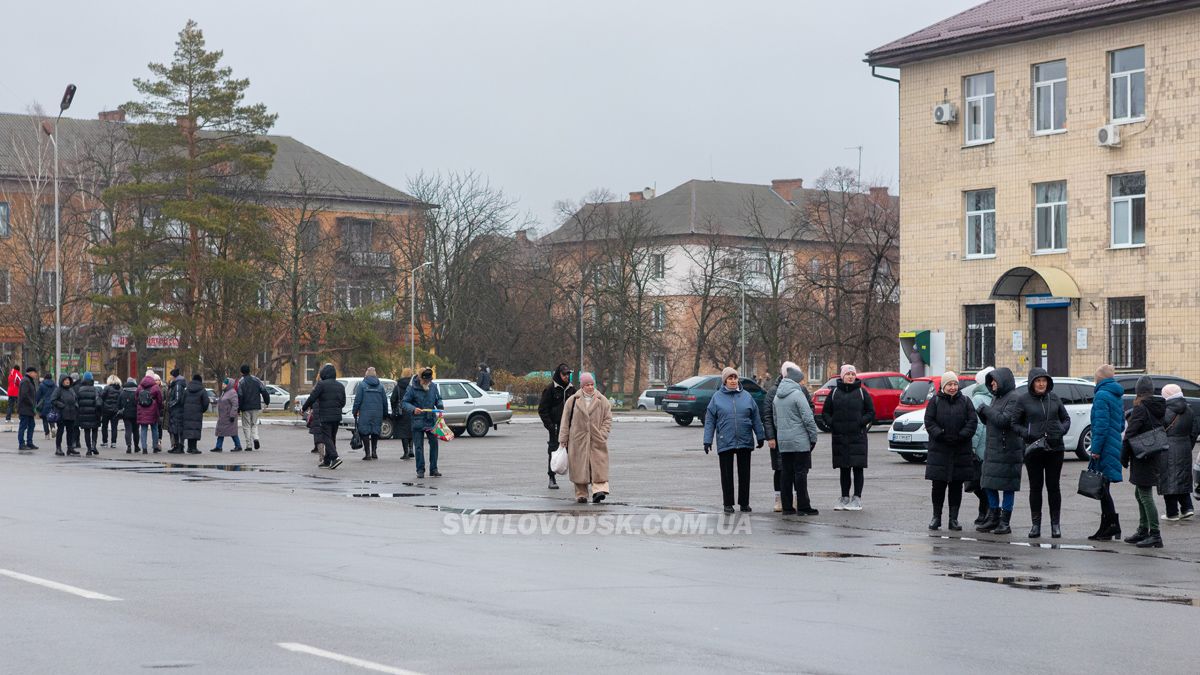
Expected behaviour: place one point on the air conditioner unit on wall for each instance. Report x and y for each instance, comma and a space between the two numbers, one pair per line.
1109, 136
945, 113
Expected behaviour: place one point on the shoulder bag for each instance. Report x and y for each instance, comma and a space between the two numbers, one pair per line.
1149, 443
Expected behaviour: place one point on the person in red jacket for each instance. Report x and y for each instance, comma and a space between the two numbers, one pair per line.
14, 388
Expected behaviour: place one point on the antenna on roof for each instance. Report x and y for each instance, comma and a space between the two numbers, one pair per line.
859, 148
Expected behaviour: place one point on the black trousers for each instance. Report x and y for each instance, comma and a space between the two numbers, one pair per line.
794, 475
108, 423
1107, 507
71, 430
727, 458
939, 496
89, 437
551, 446
1045, 469
132, 439
858, 480
329, 438
777, 469
1177, 504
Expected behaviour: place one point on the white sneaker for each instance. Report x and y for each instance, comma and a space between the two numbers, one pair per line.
778, 503
842, 504
855, 504
1187, 514
1166, 517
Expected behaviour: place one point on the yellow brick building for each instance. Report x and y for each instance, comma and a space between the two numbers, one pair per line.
1028, 234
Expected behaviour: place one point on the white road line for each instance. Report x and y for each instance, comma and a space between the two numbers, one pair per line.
90, 595
342, 658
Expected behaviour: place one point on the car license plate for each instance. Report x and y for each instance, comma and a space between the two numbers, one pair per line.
672, 405
902, 438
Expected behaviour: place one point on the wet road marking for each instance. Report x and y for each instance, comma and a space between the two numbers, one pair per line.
83, 593
342, 658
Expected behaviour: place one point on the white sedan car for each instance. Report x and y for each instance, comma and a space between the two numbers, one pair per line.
907, 436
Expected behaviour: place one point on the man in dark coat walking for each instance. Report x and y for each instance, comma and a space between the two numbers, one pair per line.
328, 397
26, 403
195, 404
848, 413
252, 395
550, 408
484, 377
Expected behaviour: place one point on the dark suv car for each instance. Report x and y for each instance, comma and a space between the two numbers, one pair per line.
689, 399
1191, 392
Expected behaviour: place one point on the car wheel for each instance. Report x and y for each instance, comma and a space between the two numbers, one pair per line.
478, 425
821, 424
387, 428
683, 420
915, 458
1085, 442
641, 407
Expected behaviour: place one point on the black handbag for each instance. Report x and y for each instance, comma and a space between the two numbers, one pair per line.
1091, 483
1035, 447
1149, 443
356, 442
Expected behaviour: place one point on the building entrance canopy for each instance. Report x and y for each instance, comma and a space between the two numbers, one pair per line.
1020, 281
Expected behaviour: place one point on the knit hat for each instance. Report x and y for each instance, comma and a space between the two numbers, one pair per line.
848, 368
196, 378
226, 381
586, 378
1172, 391
729, 370
791, 371
87, 376
1144, 386
947, 378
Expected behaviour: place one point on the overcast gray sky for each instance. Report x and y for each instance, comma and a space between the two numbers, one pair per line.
548, 98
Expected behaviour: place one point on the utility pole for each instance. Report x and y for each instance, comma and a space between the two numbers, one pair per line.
859, 148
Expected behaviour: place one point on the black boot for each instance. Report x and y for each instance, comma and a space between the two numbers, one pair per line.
1101, 531
374, 450
1141, 535
983, 514
1055, 530
954, 526
1152, 540
1114, 527
1035, 532
1003, 528
553, 483
991, 522
936, 523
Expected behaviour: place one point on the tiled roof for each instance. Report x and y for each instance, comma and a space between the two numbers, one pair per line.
328, 177
1001, 21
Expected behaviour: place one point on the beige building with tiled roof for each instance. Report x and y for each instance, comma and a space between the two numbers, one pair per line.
1048, 162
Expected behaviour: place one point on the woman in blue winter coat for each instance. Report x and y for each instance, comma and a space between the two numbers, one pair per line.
1108, 423
733, 418
370, 407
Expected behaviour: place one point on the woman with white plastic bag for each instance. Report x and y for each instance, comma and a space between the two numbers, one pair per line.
586, 423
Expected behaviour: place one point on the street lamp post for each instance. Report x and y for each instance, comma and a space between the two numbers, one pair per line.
572, 289
68, 96
412, 317
742, 288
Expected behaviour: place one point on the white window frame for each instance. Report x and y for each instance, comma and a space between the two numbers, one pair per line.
657, 367
981, 101
1129, 202
1052, 209
1055, 85
979, 331
315, 368
5, 221
1124, 327
658, 266
982, 220
1127, 76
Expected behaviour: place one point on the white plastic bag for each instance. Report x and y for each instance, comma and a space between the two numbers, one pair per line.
559, 463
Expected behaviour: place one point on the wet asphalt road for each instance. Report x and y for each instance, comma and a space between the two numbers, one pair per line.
213, 568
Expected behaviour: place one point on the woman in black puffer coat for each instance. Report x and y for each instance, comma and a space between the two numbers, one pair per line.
1175, 465
1042, 420
849, 413
1004, 453
1147, 414
195, 404
89, 412
950, 420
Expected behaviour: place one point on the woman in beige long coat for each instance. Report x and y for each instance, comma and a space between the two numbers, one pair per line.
586, 423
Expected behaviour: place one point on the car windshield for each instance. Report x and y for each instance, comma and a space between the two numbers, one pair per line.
830, 384
916, 392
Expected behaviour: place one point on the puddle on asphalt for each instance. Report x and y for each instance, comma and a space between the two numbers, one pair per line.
1036, 583
1025, 544
388, 495
150, 466
828, 554
501, 512
721, 548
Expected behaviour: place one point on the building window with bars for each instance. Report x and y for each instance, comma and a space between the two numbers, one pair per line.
980, 350
658, 368
658, 266
1127, 333
658, 320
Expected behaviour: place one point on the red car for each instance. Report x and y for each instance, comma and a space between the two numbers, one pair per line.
917, 394
884, 387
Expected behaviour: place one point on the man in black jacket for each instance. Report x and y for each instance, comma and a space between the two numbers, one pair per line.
550, 409
252, 396
26, 402
328, 397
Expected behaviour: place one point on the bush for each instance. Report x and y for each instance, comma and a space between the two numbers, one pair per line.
525, 390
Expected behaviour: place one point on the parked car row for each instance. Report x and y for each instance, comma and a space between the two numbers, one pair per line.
687, 400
